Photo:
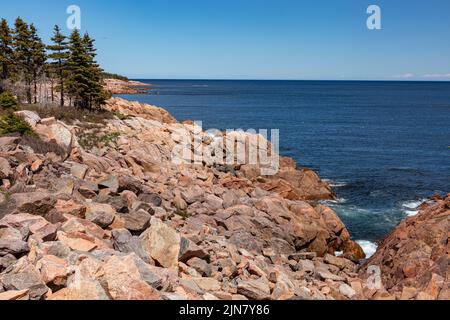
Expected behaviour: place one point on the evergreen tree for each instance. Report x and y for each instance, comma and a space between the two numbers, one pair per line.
59, 56
78, 81
84, 81
6, 52
22, 47
38, 57
97, 94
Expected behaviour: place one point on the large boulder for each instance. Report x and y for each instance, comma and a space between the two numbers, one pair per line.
162, 243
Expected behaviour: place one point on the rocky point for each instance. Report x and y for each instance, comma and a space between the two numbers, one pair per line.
120, 220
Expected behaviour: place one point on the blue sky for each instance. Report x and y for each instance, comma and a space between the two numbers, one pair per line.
258, 39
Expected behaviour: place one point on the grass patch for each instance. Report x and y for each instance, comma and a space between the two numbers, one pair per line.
70, 115
95, 138
42, 147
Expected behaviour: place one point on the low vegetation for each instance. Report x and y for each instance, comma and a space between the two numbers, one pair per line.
11, 123
41, 146
8, 101
71, 115
95, 138
107, 75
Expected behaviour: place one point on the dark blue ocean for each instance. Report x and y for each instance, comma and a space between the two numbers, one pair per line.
384, 146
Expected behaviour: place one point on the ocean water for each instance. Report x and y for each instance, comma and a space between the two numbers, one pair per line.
384, 146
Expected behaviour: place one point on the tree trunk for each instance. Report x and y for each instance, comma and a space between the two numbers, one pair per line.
61, 83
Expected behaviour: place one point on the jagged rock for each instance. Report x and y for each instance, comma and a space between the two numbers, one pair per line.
327, 275
125, 242
101, 214
8, 143
137, 221
201, 266
339, 262
54, 270
415, 254
27, 223
151, 198
88, 189
254, 289
207, 284
70, 207
111, 182
347, 291
189, 250
89, 290
118, 271
245, 240
78, 170
214, 202
162, 243
15, 295
21, 276
179, 202
74, 243
306, 265
5, 169
127, 183
6, 261
11, 242
38, 203
57, 132
284, 288
29, 116
81, 228
193, 194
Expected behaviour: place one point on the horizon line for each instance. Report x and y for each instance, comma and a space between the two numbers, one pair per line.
250, 79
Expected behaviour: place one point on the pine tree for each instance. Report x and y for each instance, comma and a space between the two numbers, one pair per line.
97, 94
6, 52
59, 56
84, 81
22, 47
38, 57
78, 82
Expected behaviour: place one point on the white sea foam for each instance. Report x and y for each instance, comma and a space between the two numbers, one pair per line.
410, 208
335, 201
368, 247
335, 184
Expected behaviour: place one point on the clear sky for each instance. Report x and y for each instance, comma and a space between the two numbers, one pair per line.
257, 39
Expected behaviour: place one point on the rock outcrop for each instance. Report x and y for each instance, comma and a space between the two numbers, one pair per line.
122, 220
414, 260
117, 86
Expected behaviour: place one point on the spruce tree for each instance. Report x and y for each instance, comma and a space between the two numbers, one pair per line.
22, 47
6, 52
38, 57
97, 94
84, 81
78, 82
59, 56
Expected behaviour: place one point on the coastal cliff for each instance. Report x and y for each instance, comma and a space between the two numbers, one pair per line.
100, 211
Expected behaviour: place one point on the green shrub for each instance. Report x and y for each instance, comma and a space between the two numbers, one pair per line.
10, 123
8, 101
96, 138
70, 115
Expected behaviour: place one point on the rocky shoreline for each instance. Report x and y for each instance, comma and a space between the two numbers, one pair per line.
117, 86
119, 220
